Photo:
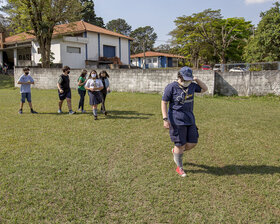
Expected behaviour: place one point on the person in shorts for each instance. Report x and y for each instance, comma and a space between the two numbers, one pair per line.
64, 91
180, 119
25, 80
94, 85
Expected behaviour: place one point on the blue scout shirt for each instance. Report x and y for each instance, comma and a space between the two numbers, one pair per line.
180, 103
25, 88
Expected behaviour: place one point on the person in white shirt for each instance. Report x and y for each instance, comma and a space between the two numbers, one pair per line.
94, 86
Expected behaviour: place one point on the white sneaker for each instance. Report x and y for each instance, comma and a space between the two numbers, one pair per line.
83, 111
72, 112
59, 111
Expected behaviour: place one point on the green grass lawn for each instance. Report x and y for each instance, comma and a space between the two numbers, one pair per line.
119, 169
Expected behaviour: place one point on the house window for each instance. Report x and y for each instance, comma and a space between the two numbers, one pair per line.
149, 60
154, 60
39, 50
75, 50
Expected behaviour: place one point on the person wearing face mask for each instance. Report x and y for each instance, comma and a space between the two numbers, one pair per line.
81, 90
25, 81
180, 119
94, 85
64, 91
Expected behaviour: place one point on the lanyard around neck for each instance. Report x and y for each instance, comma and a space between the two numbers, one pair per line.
184, 90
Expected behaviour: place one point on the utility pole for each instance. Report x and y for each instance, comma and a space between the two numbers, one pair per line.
144, 58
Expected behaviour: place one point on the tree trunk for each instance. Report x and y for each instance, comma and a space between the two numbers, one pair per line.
45, 46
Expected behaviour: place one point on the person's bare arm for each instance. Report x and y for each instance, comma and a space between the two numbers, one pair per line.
164, 114
59, 88
204, 88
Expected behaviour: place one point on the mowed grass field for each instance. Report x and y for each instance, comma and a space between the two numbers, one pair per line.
119, 169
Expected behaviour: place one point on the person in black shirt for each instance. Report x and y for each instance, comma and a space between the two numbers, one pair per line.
64, 91
104, 77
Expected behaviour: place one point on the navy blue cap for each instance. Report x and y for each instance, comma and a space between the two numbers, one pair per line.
186, 73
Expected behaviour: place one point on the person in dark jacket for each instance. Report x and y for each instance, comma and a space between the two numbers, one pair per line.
64, 91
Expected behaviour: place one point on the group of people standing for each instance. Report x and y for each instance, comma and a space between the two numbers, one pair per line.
96, 85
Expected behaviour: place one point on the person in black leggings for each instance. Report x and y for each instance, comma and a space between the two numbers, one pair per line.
81, 90
104, 77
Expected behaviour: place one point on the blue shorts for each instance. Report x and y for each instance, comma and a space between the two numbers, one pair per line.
64, 95
27, 96
183, 134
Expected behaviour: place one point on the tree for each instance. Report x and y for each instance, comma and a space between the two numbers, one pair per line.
163, 48
264, 45
39, 18
208, 30
88, 13
144, 39
119, 26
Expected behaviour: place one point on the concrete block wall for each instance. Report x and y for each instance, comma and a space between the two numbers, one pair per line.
247, 83
155, 80
121, 80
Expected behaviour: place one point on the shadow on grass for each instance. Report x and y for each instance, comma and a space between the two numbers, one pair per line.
113, 114
122, 114
234, 169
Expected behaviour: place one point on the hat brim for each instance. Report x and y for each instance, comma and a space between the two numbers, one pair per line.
187, 78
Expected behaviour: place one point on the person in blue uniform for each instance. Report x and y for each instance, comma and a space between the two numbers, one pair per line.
180, 119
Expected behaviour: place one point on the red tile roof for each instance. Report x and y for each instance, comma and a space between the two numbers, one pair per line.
155, 54
75, 27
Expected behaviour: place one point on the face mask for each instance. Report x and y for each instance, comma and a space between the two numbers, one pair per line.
186, 83
26, 73
68, 72
93, 75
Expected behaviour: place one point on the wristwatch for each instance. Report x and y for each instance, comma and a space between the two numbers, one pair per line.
165, 119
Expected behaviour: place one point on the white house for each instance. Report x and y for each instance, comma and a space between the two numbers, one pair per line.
77, 45
155, 60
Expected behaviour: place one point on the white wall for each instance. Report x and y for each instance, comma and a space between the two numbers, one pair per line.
59, 48
92, 46
73, 60
124, 52
55, 48
110, 41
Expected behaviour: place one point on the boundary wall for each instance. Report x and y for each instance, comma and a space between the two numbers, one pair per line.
155, 80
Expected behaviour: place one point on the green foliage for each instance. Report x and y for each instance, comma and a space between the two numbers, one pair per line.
119, 169
164, 48
39, 18
207, 37
144, 38
88, 13
119, 26
265, 44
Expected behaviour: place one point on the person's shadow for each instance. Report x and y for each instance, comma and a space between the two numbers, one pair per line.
233, 169
121, 114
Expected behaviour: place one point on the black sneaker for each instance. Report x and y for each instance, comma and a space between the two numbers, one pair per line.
20, 111
95, 117
34, 112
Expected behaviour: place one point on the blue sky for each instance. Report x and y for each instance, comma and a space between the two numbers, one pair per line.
160, 14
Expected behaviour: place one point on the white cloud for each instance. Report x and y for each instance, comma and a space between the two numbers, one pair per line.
256, 1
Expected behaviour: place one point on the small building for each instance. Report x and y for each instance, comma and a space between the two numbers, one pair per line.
77, 45
155, 60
